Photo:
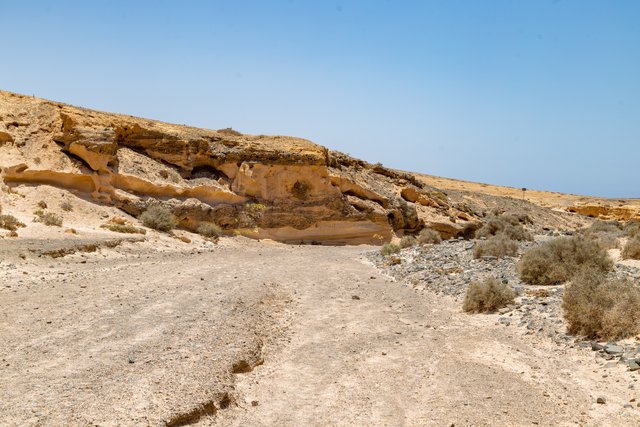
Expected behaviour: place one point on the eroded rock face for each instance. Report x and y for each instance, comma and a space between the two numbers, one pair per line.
287, 189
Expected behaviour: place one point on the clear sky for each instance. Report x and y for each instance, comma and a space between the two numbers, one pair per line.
528, 93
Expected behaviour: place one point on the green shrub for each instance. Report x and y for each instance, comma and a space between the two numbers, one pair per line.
508, 225
10, 222
556, 261
158, 218
487, 296
600, 308
389, 249
498, 246
209, 229
428, 235
632, 248
407, 242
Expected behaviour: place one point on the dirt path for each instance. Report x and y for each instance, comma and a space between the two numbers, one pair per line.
128, 336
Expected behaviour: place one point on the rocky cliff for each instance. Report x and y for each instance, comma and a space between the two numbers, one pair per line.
283, 188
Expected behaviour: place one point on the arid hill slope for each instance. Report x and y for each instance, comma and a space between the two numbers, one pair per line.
283, 188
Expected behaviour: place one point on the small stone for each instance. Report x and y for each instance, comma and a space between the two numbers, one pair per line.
601, 400
628, 406
614, 349
254, 403
356, 297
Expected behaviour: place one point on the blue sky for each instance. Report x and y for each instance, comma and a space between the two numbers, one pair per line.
527, 93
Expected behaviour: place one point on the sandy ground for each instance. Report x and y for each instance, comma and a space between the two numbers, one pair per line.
151, 333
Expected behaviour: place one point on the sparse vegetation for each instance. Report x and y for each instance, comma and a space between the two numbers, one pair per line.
158, 218
209, 230
507, 224
123, 228
10, 222
600, 308
498, 246
42, 204
429, 236
66, 206
605, 233
632, 248
389, 249
407, 242
632, 228
487, 296
556, 261
48, 218
230, 131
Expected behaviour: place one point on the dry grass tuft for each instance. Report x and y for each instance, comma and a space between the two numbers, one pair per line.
599, 308
158, 218
498, 246
429, 236
66, 206
10, 222
407, 242
48, 218
389, 249
209, 230
487, 296
556, 261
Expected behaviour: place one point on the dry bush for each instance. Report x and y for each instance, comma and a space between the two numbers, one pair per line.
42, 204
158, 218
407, 242
631, 228
66, 206
632, 248
599, 308
506, 224
230, 131
603, 227
498, 246
10, 222
389, 249
123, 228
48, 218
210, 230
487, 296
556, 261
427, 235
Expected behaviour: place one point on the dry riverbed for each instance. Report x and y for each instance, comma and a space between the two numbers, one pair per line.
257, 333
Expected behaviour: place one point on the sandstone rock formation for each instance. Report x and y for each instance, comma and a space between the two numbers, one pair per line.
283, 188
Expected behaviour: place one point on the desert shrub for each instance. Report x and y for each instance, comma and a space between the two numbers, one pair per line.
604, 227
427, 235
42, 204
498, 246
632, 228
506, 224
158, 218
10, 222
301, 189
556, 261
230, 131
407, 242
487, 296
48, 218
389, 249
632, 248
209, 229
66, 206
600, 308
123, 228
